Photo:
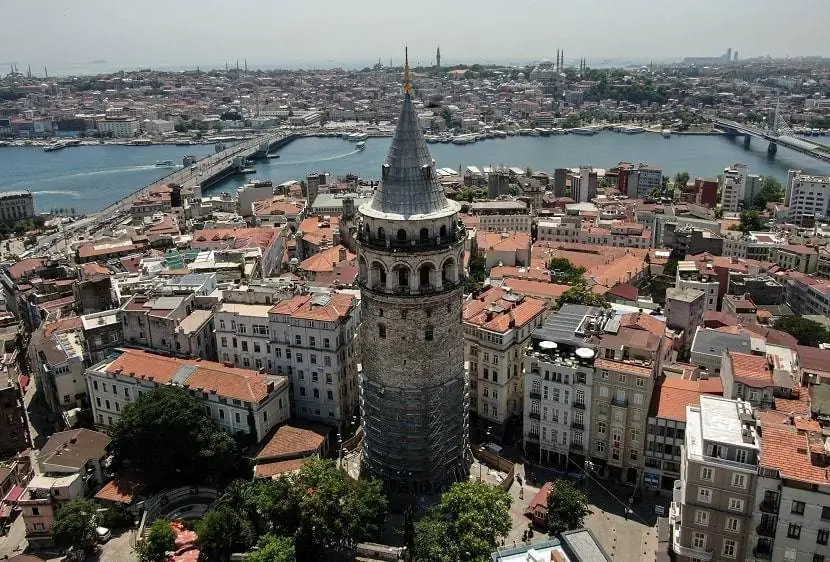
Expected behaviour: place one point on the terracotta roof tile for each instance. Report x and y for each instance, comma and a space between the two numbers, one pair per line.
672, 395
271, 469
538, 289
751, 370
309, 307
493, 312
620, 367
294, 440
786, 449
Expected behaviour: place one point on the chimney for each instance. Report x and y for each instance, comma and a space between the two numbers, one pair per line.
342, 254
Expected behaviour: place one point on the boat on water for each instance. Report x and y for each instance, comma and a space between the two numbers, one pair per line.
542, 131
357, 137
631, 129
165, 164
666, 133
499, 134
583, 131
361, 145
465, 139
57, 145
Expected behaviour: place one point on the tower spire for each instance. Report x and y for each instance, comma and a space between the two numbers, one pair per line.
407, 87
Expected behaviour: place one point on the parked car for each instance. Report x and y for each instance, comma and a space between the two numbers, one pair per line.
492, 448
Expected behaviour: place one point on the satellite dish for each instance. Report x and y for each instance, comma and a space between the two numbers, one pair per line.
585, 353
547, 345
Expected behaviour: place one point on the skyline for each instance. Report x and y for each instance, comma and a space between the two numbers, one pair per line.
207, 34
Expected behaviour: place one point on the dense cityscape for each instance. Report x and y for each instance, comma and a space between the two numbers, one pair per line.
586, 362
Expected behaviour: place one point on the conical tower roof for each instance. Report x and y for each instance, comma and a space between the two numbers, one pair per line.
409, 185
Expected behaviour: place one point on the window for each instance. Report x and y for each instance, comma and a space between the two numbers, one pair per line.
733, 525
224, 341
739, 480
35, 511
822, 536
221, 414
244, 345
603, 391
818, 558
312, 341
729, 548
704, 495
707, 473
641, 381
299, 358
428, 334
740, 456
797, 508
326, 341
98, 401
793, 531
621, 378
329, 395
257, 348
601, 427
600, 446
699, 540
316, 393
633, 455
313, 358
237, 417
735, 504
702, 518
302, 391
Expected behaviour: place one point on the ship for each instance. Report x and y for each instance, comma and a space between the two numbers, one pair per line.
361, 145
57, 145
357, 137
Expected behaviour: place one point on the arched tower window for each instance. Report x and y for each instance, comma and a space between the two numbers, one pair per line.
403, 277
381, 233
424, 235
443, 231
401, 235
425, 275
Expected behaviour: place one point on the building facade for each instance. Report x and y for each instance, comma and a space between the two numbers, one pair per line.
713, 501
807, 196
16, 205
414, 395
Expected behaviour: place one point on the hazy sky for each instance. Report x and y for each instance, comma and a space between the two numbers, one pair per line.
159, 33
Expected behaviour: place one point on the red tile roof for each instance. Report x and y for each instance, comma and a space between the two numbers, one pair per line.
547, 291
208, 376
620, 367
24, 267
234, 238
509, 242
751, 370
786, 449
493, 312
294, 440
123, 489
672, 395
270, 469
309, 307
328, 260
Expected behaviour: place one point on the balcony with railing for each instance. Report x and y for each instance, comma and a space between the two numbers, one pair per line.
763, 549
423, 243
619, 402
535, 395
769, 505
578, 405
534, 415
577, 425
765, 530
533, 437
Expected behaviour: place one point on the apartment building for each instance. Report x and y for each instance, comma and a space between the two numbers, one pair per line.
507, 215
807, 196
795, 257
694, 275
168, 324
573, 230
16, 205
314, 342
666, 431
242, 335
713, 501
559, 373
752, 245
238, 400
806, 294
269, 243
684, 312
792, 494
497, 326
733, 187
747, 377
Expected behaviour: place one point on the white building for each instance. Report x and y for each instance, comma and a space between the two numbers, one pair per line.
16, 205
733, 186
807, 195
314, 341
242, 335
688, 276
238, 400
127, 127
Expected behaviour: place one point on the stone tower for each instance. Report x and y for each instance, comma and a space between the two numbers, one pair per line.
413, 393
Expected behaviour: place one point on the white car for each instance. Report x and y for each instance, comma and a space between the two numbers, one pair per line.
492, 447
102, 534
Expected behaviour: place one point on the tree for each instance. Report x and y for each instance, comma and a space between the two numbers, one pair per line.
474, 283
567, 507
565, 272
466, 526
750, 220
807, 332
336, 512
681, 179
217, 532
273, 549
581, 294
160, 540
75, 525
718, 213
172, 420
771, 192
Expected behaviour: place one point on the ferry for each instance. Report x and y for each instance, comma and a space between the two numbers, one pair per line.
666, 133
583, 131
357, 137
57, 145
631, 129
464, 139
361, 145
165, 164
542, 131
499, 134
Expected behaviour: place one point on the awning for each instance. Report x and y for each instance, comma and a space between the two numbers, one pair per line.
13, 495
23, 380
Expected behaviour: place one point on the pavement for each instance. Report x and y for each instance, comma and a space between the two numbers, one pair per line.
626, 538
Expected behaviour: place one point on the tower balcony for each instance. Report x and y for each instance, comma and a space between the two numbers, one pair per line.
414, 245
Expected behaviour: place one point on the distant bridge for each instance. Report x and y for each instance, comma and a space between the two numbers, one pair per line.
780, 134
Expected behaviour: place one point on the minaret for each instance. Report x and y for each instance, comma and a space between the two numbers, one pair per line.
438, 57
413, 392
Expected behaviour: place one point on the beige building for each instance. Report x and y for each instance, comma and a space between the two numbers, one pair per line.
508, 215
684, 312
497, 327
713, 501
238, 400
16, 205
169, 324
629, 354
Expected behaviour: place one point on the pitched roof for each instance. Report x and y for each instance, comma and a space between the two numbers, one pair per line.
406, 190
205, 376
500, 311
74, 448
124, 488
502, 241
536, 288
788, 450
751, 370
328, 308
328, 260
672, 395
275, 468
813, 359
294, 440
234, 238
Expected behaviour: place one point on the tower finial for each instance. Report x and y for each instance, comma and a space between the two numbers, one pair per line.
407, 87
